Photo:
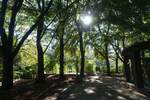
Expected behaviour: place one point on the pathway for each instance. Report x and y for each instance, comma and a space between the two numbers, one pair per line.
97, 87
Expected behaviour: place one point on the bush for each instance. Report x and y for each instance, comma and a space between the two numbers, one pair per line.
24, 72
89, 68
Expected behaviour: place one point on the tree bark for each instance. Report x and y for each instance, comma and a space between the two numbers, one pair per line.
117, 70
138, 72
117, 57
61, 60
40, 67
7, 82
77, 68
82, 54
7, 42
127, 71
9, 52
107, 59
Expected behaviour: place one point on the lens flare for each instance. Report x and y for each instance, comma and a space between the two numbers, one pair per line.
86, 19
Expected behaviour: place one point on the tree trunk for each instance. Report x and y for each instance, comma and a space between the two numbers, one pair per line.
117, 63
7, 42
61, 60
7, 82
123, 43
77, 68
107, 59
117, 57
82, 54
138, 72
127, 71
40, 67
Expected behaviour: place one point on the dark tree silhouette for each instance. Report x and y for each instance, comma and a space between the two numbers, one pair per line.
9, 53
82, 52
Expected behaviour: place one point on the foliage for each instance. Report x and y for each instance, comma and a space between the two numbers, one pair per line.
116, 25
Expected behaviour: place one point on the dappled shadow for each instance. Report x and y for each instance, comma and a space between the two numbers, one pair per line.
96, 88
27, 89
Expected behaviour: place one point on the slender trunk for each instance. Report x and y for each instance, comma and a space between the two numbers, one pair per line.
123, 45
117, 58
77, 68
7, 82
123, 41
40, 67
82, 54
107, 59
117, 63
127, 71
132, 69
61, 56
138, 72
60, 31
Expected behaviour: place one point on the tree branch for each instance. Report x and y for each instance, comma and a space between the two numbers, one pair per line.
31, 29
2, 19
15, 9
48, 44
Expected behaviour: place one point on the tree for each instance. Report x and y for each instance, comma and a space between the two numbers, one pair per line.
40, 67
82, 52
9, 53
64, 16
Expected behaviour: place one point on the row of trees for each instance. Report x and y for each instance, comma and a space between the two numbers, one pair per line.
116, 24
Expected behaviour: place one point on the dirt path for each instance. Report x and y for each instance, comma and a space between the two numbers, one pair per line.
97, 88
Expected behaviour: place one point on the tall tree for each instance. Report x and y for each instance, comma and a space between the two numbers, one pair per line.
9, 52
61, 43
82, 52
117, 56
64, 15
40, 67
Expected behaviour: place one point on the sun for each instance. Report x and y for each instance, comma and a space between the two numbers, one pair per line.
86, 19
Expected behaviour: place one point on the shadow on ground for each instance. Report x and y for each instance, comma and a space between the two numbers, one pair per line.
97, 88
94, 87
